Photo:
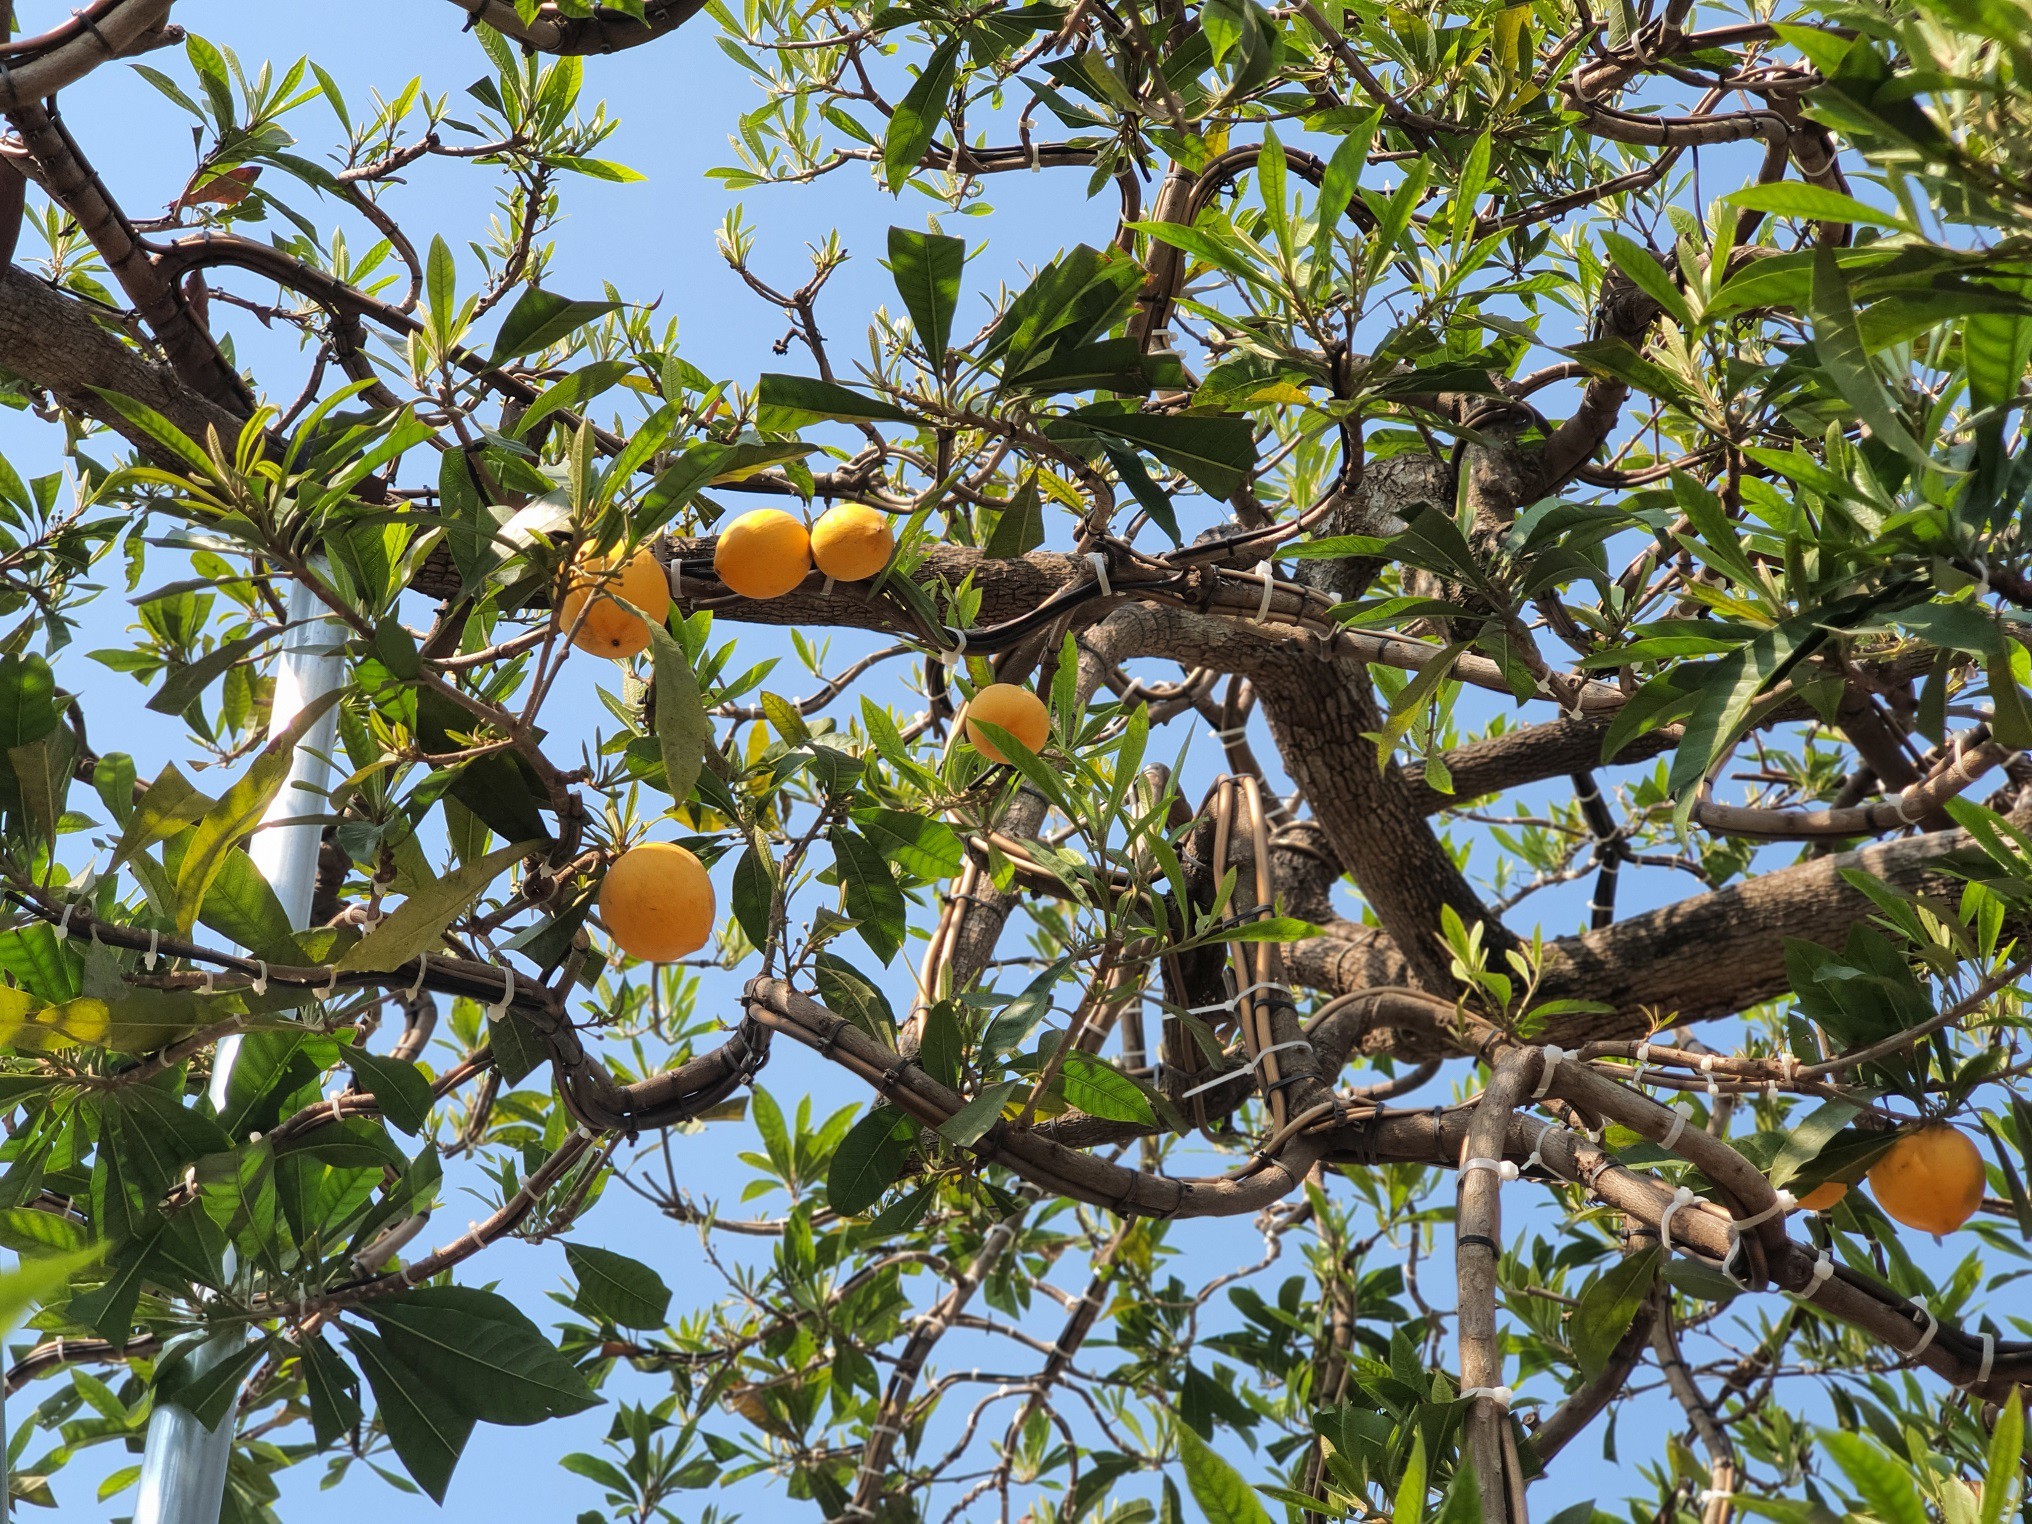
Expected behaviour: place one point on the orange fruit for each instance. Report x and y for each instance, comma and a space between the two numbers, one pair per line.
851, 542
1016, 710
606, 628
763, 554
658, 902
1823, 1196
1931, 1178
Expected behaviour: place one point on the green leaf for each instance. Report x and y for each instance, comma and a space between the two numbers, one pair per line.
185, 683
1608, 1306
242, 907
684, 732
1222, 1495
872, 896
1805, 1139
479, 1348
785, 403
926, 268
540, 319
1020, 528
1100, 1090
418, 923
1013, 1022
1411, 1488
1880, 1479
425, 1428
970, 1123
616, 1289
868, 1160
1649, 276
1838, 345
920, 845
240, 810
36, 1279
399, 1088
209, 1390
754, 893
2006, 1478
334, 1390
1274, 928
573, 393
1727, 691
915, 120
1216, 451
27, 701
441, 282
1814, 203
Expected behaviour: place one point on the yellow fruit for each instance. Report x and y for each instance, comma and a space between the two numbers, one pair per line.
1930, 1179
608, 629
658, 903
851, 542
1016, 710
763, 554
1823, 1196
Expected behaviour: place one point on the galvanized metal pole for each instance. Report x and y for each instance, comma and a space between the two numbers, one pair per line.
183, 1468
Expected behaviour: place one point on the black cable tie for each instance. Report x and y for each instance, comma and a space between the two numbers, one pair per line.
1482, 1240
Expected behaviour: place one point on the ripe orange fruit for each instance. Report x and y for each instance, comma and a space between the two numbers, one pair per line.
608, 629
763, 554
1016, 710
1931, 1178
851, 542
658, 902
1823, 1196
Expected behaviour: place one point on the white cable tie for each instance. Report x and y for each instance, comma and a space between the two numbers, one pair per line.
1681, 1115
825, 588
1788, 1067
1099, 560
952, 657
1279, 1047
885, 1428
1709, 1495
1031, 144
1643, 1054
1213, 1084
206, 987
1782, 1202
1771, 1090
1932, 1328
1232, 733
148, 958
1236, 999
1989, 1359
1551, 1053
1902, 804
1537, 1159
1683, 1197
676, 580
1823, 1270
1707, 1068
416, 989
1502, 1169
1269, 590
260, 985
500, 1010
331, 984
63, 927
1499, 1395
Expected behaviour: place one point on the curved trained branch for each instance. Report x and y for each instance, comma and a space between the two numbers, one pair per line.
59, 58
